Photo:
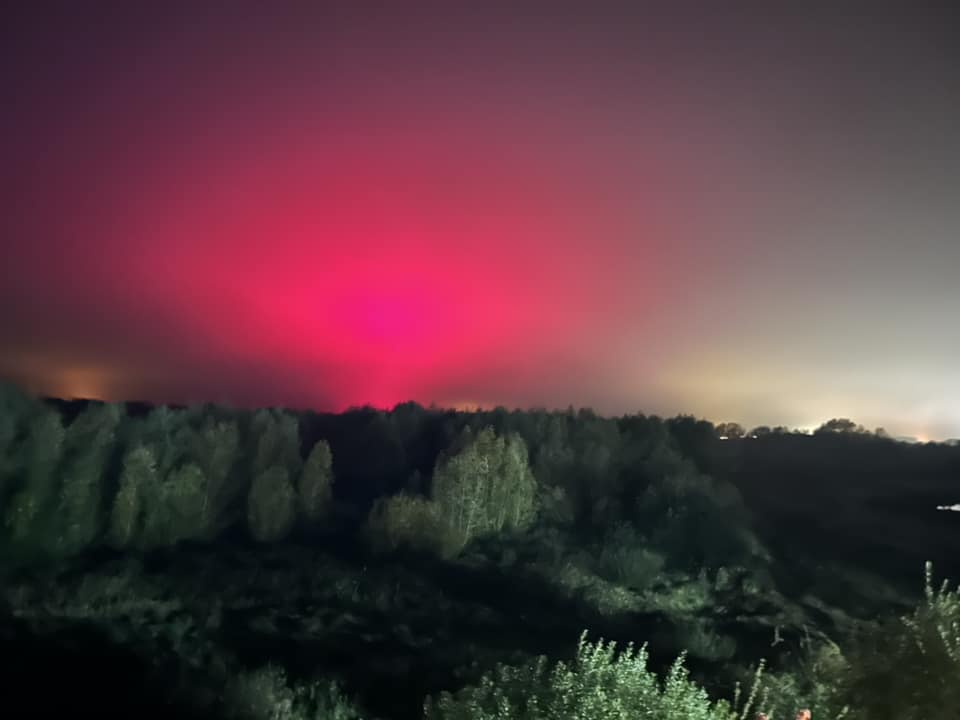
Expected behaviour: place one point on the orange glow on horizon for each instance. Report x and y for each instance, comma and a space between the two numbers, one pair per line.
82, 384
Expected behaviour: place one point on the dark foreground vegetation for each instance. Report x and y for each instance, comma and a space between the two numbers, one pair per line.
209, 562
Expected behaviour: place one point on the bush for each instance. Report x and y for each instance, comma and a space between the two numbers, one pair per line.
576, 581
908, 668
266, 694
271, 505
698, 521
408, 521
600, 684
624, 558
683, 595
698, 639
809, 682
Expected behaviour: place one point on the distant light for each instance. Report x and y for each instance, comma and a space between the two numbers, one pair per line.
86, 383
724, 437
950, 508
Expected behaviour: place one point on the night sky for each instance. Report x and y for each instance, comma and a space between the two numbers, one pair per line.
748, 215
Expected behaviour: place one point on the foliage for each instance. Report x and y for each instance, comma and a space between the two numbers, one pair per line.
150, 511
696, 520
28, 515
626, 559
167, 432
730, 431
277, 438
683, 595
89, 444
139, 486
266, 694
809, 681
15, 407
699, 640
908, 668
575, 579
407, 521
841, 425
599, 684
271, 505
486, 487
184, 500
315, 489
214, 447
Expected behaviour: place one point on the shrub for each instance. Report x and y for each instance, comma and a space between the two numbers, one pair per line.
699, 640
408, 521
809, 682
271, 505
684, 595
315, 488
623, 558
698, 521
605, 597
908, 668
266, 694
599, 684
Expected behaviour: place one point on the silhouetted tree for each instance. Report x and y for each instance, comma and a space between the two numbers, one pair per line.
840, 425
315, 488
15, 409
730, 430
139, 489
88, 447
271, 506
29, 513
215, 449
277, 438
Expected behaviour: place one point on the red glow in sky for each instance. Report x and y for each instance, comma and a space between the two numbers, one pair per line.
372, 266
320, 207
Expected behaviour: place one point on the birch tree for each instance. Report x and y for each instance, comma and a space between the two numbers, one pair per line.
485, 487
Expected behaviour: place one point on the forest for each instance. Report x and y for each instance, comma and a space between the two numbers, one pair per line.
420, 562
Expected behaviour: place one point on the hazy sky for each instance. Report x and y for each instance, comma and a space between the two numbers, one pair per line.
746, 214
